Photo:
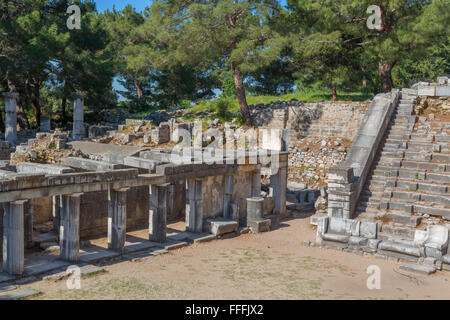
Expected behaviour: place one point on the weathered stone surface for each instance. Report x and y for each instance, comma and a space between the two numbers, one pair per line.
78, 116
70, 228
18, 294
13, 237
28, 167
399, 247
418, 268
255, 208
89, 164
219, 227
259, 225
117, 219
158, 213
443, 91
11, 117
427, 91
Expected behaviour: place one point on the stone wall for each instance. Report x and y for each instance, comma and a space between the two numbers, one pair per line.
324, 119
241, 191
94, 211
42, 210
213, 204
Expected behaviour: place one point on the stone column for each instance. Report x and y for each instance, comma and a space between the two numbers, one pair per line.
69, 231
13, 237
341, 192
56, 212
278, 183
158, 212
117, 219
194, 208
78, 116
227, 195
28, 213
11, 117
45, 124
256, 183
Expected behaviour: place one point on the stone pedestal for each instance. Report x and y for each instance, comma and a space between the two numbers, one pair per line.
158, 212
117, 219
13, 237
28, 213
11, 117
194, 208
69, 234
255, 208
78, 116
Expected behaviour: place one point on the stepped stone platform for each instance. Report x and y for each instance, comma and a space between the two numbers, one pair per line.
397, 176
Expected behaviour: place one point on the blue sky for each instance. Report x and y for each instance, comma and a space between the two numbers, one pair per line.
120, 4
138, 4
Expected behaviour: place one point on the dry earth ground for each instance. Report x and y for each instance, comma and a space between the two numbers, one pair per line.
273, 265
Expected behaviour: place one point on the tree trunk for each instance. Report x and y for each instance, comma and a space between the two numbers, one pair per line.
240, 93
139, 92
22, 118
35, 101
364, 80
333, 85
384, 69
334, 92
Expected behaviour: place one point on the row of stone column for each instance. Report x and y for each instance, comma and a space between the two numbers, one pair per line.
11, 117
66, 218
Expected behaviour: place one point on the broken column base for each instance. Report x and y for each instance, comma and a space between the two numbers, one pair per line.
219, 227
259, 225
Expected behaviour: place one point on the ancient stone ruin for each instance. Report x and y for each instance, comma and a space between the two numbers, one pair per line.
390, 196
375, 174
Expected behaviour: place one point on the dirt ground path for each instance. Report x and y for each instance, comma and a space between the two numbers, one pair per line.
273, 265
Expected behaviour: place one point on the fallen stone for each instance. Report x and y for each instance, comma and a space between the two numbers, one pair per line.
259, 225
418, 268
220, 227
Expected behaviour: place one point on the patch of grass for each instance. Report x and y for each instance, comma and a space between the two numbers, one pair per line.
308, 95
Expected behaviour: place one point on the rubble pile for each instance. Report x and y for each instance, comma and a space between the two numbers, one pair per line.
310, 159
46, 148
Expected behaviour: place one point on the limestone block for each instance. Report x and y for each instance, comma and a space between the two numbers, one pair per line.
255, 208
341, 174
368, 229
259, 225
220, 227
437, 237
443, 91
442, 80
400, 247
427, 91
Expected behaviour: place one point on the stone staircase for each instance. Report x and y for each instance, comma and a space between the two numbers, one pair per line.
408, 186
